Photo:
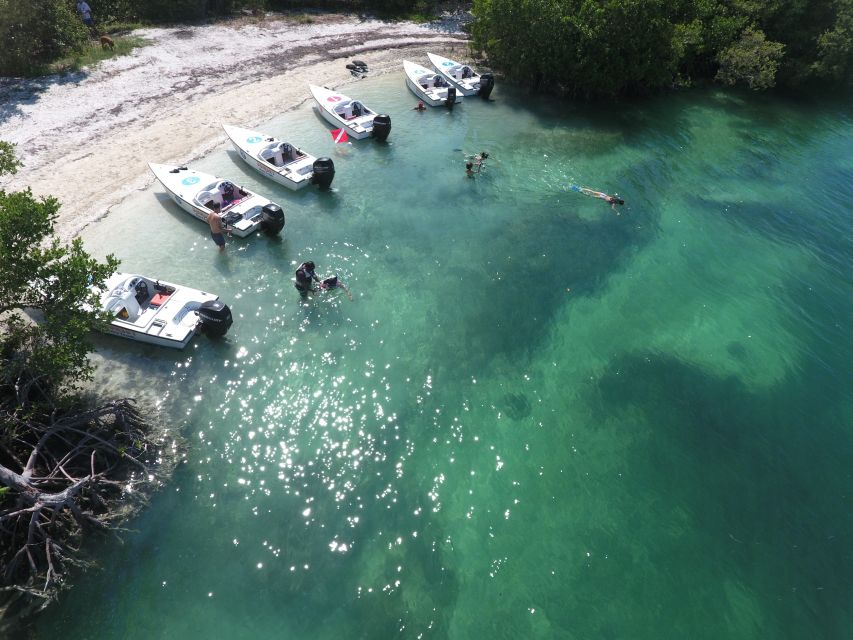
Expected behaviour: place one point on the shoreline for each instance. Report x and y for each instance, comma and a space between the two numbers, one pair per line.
86, 138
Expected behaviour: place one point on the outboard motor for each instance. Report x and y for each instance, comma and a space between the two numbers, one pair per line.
273, 218
381, 127
451, 97
487, 83
324, 172
214, 318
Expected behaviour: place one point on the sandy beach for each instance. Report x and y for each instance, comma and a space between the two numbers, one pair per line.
86, 138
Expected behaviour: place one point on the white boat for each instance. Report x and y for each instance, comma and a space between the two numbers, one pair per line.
160, 313
351, 115
463, 77
433, 88
284, 162
197, 193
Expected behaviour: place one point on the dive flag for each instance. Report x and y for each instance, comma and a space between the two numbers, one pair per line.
339, 135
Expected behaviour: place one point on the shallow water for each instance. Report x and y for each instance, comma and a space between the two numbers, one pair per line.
537, 419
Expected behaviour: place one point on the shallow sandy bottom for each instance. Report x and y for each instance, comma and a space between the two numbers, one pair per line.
86, 138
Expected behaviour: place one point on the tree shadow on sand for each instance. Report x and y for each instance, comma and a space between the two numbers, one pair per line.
16, 93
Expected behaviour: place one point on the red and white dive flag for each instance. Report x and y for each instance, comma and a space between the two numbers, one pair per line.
339, 135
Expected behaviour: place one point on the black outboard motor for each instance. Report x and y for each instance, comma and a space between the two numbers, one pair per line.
487, 83
381, 127
214, 318
324, 172
273, 220
451, 97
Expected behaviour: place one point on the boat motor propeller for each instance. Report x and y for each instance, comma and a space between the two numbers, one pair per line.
487, 83
273, 218
324, 172
381, 127
214, 318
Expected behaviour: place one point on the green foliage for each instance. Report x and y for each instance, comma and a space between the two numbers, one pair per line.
92, 53
121, 26
53, 280
610, 47
835, 48
580, 47
8, 162
112, 11
34, 33
753, 60
173, 10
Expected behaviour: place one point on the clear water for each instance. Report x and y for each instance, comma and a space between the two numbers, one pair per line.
537, 419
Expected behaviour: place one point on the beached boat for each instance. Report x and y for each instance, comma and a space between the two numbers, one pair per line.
161, 313
351, 115
433, 88
282, 161
468, 81
197, 193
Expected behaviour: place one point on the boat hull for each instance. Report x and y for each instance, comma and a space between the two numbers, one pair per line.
165, 316
249, 145
467, 86
123, 332
183, 186
434, 96
358, 128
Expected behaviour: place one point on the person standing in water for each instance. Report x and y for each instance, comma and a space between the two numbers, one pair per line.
420, 106
214, 220
305, 279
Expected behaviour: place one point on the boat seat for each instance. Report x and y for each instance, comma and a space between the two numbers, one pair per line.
158, 299
206, 198
287, 153
273, 156
124, 306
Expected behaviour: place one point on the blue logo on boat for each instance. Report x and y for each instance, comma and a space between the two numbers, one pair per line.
190, 180
447, 64
253, 139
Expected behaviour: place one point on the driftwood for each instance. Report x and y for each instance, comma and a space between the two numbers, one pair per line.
62, 475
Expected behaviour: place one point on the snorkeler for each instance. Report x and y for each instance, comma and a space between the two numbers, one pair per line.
333, 283
479, 160
611, 200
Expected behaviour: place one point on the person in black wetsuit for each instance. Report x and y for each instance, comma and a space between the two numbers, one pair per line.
305, 278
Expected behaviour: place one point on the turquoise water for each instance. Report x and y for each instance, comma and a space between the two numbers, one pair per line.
537, 419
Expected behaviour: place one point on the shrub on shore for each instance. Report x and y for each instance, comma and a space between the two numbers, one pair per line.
68, 466
606, 48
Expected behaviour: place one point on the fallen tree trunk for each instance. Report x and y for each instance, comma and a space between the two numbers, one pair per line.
61, 477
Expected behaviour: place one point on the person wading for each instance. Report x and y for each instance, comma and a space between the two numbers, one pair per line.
216, 230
